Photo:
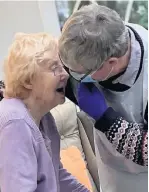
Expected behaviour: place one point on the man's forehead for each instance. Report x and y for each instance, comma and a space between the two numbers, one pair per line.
76, 68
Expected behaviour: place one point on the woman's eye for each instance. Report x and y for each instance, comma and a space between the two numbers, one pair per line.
53, 67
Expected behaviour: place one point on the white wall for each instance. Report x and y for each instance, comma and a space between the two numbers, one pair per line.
49, 17
25, 16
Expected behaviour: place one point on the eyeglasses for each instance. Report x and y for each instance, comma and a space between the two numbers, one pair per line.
58, 70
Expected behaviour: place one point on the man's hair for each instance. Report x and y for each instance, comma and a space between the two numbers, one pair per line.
25, 54
92, 35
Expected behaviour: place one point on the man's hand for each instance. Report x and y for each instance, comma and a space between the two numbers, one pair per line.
92, 102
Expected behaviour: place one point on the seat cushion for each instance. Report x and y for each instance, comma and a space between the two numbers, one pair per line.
66, 120
69, 126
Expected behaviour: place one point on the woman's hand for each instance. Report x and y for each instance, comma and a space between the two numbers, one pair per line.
92, 102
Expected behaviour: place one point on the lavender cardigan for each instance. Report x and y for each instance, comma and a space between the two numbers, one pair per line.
29, 157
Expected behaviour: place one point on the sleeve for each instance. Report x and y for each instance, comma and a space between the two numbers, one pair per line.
69, 183
18, 163
129, 139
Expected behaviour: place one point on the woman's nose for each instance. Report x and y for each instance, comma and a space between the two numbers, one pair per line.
64, 75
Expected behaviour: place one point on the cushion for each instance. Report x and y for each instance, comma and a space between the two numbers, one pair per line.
70, 128
66, 120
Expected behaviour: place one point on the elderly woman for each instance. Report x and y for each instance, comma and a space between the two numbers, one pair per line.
29, 142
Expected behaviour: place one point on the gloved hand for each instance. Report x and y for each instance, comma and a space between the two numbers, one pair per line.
91, 101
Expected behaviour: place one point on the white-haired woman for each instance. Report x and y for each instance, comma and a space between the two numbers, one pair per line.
29, 142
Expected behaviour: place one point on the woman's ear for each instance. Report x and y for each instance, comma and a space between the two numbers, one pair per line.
28, 84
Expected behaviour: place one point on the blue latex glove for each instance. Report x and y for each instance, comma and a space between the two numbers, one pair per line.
91, 101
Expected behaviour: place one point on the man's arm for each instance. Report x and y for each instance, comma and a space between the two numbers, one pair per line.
69, 183
18, 163
129, 139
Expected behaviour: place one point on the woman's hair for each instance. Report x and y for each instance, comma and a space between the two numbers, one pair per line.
21, 64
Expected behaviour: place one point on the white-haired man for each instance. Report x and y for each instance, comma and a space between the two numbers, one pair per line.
108, 59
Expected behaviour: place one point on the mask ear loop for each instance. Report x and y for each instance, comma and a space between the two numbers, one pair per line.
108, 74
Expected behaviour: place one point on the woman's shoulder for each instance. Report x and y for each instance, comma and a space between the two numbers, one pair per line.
10, 110
13, 112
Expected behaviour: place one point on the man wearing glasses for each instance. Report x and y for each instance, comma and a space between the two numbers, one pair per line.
107, 62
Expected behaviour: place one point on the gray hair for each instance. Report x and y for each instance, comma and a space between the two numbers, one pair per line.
92, 35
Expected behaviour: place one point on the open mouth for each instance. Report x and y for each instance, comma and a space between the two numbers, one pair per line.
61, 90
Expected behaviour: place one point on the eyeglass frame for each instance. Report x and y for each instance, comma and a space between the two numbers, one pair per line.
54, 71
